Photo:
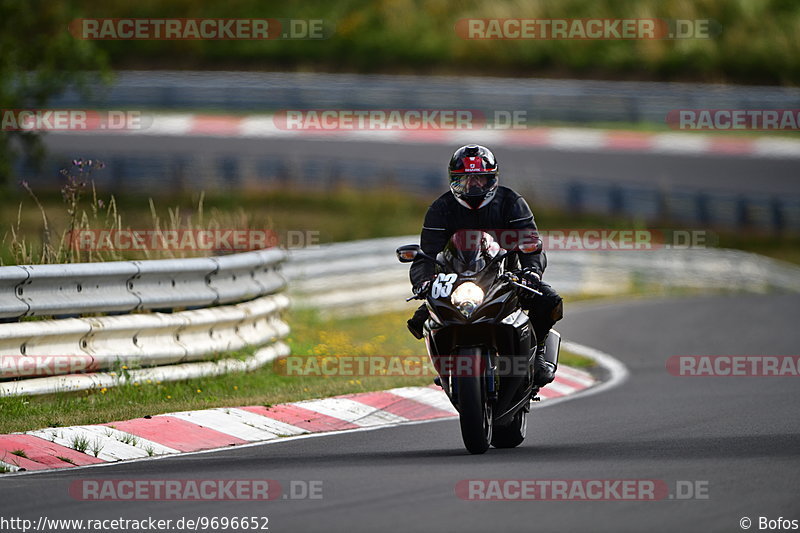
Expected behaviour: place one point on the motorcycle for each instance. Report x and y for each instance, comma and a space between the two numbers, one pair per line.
478, 338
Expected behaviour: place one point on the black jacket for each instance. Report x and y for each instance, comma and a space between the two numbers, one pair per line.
507, 210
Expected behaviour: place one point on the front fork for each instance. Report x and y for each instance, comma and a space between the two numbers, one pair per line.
492, 379
490, 364
489, 375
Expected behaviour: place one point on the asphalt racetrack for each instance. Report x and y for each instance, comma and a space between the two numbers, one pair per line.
733, 441
524, 167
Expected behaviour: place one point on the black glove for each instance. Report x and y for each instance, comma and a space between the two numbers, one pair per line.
422, 288
532, 277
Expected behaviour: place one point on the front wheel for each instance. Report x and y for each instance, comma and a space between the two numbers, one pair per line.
513, 434
474, 409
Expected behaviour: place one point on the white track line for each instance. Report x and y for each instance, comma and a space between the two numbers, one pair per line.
578, 376
425, 395
219, 420
351, 411
618, 372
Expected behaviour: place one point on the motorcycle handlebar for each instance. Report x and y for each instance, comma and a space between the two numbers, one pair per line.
523, 286
515, 279
510, 277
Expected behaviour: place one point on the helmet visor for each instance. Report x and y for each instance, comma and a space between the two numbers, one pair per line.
476, 184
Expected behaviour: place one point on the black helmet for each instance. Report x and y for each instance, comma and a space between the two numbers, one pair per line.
473, 175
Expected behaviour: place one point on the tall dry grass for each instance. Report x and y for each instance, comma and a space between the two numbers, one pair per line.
83, 209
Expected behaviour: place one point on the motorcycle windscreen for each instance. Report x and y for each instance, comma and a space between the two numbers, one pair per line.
469, 251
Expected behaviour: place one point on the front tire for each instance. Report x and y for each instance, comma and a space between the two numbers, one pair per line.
513, 434
474, 410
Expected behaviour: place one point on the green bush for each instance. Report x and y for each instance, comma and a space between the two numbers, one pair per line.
759, 42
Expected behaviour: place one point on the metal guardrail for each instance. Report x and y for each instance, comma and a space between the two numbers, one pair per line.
361, 277
544, 99
97, 380
125, 286
172, 341
144, 339
364, 277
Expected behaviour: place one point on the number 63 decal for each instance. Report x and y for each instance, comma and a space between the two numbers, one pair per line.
443, 285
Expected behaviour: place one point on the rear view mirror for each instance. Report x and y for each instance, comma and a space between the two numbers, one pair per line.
409, 252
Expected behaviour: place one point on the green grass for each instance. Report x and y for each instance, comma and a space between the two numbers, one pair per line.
782, 247
96, 447
80, 443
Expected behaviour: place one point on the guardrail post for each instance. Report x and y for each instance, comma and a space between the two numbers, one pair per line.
776, 212
575, 197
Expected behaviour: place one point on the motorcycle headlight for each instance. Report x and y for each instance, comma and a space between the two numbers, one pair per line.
467, 297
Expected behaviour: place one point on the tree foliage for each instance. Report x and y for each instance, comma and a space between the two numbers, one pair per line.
39, 59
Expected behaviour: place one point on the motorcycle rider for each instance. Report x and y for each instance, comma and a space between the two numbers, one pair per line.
476, 202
